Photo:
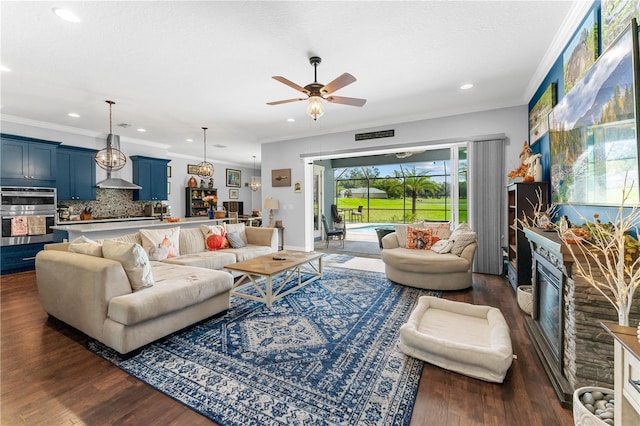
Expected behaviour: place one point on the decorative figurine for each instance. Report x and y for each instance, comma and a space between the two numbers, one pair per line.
210, 183
201, 183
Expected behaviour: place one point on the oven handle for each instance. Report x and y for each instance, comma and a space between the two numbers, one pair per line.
29, 194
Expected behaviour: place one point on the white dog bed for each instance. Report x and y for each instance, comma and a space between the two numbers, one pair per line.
468, 339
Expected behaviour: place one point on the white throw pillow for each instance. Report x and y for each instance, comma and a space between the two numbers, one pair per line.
461, 240
84, 245
237, 227
169, 238
134, 260
442, 246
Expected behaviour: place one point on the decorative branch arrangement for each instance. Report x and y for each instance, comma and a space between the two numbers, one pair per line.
606, 256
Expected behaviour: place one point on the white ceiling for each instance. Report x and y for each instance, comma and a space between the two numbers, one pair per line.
175, 66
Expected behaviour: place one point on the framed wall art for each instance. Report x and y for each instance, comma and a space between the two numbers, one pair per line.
592, 134
192, 169
539, 114
581, 52
233, 194
233, 178
616, 15
281, 177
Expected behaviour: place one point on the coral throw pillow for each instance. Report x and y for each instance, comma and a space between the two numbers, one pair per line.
418, 238
215, 237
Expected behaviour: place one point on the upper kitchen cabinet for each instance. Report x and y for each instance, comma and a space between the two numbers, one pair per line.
76, 173
151, 175
27, 161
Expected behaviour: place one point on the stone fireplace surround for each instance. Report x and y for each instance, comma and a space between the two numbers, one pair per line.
586, 357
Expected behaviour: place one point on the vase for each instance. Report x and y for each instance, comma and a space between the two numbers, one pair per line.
537, 171
211, 212
582, 416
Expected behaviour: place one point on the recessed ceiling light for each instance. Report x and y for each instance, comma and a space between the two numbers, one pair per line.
219, 145
66, 14
5, 69
141, 130
466, 86
74, 115
291, 120
189, 140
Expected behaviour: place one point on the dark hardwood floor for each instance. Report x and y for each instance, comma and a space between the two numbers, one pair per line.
48, 377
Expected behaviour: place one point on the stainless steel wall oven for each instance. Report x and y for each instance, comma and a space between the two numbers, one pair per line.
28, 214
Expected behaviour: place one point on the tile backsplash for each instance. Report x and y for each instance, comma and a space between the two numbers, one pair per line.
109, 203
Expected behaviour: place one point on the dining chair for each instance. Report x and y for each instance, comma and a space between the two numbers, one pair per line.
332, 232
357, 214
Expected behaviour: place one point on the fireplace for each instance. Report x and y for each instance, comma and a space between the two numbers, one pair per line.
547, 306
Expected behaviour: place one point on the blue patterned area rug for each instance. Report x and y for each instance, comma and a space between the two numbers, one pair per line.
336, 258
324, 355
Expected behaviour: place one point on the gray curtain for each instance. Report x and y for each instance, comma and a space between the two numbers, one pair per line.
485, 199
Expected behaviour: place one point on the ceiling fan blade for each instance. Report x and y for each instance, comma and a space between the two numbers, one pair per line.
344, 80
347, 101
291, 84
286, 101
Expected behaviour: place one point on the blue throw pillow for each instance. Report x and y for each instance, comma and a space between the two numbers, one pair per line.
234, 240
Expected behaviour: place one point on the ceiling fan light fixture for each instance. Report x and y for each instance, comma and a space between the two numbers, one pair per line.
315, 109
205, 169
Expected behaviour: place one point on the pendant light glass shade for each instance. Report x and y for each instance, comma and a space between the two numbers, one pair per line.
205, 169
255, 180
111, 158
315, 109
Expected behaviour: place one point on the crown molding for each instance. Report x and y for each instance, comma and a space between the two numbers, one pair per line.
576, 14
77, 131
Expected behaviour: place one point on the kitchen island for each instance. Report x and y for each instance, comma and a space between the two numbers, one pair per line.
107, 229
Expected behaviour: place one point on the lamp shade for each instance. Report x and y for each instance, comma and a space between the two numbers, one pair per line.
271, 204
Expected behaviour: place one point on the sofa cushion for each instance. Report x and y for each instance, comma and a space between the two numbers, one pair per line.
418, 238
177, 287
239, 228
84, 245
191, 241
234, 240
169, 238
440, 229
424, 261
134, 260
249, 252
205, 259
442, 246
461, 240
215, 237
129, 238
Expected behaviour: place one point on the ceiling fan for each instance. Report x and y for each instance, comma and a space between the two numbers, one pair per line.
316, 92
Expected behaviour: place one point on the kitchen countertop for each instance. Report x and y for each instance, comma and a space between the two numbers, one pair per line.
115, 228
117, 219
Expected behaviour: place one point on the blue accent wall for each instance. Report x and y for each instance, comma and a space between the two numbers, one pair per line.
556, 75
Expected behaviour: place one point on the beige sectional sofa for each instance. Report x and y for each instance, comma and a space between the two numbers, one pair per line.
113, 301
426, 268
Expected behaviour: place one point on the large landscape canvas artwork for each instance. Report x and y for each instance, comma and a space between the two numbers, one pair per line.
592, 133
581, 52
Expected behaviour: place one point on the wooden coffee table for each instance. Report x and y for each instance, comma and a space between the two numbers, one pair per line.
292, 262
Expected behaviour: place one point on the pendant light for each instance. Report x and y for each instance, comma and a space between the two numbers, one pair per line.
205, 169
255, 181
111, 158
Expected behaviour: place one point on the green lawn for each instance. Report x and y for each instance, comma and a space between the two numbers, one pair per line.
399, 210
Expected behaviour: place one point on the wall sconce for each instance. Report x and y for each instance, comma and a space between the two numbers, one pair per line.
271, 204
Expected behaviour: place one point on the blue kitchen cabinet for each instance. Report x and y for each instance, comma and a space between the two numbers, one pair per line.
27, 161
76, 177
151, 175
19, 258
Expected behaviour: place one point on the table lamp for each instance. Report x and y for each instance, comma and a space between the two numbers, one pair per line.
271, 204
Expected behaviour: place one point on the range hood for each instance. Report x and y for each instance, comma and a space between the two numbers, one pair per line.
116, 183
